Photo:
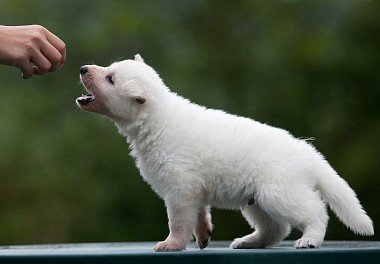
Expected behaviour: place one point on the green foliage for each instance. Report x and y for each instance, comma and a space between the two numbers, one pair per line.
311, 67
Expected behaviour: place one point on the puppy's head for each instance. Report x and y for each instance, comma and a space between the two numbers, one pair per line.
119, 91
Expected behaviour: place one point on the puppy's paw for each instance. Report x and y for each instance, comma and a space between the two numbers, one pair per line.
169, 246
238, 243
202, 234
248, 241
308, 242
203, 241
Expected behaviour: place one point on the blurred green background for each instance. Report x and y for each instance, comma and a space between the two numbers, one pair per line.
311, 67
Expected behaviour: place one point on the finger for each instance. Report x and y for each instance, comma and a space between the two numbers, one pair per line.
58, 44
63, 58
41, 63
51, 54
27, 70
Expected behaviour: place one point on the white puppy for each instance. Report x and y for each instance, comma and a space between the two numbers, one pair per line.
194, 158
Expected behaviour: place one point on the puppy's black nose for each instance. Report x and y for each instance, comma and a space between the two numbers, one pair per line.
83, 70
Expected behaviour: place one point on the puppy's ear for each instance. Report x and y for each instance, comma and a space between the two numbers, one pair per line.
134, 89
139, 58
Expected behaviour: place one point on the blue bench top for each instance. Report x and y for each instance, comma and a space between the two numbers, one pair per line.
217, 252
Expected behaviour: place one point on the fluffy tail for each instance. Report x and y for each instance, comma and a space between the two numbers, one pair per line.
343, 201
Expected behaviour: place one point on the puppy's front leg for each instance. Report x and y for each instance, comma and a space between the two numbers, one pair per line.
182, 219
203, 228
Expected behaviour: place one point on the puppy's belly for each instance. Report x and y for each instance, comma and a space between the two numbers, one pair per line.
230, 190
227, 198
226, 204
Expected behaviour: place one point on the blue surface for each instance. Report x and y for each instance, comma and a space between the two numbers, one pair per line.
217, 252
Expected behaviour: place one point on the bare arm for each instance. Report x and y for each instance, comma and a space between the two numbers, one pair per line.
25, 46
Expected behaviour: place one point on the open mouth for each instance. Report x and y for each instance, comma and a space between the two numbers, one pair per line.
85, 99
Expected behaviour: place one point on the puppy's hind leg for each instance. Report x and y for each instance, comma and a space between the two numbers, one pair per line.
267, 232
313, 227
302, 208
202, 230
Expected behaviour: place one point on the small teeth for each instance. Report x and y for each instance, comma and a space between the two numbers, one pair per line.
85, 99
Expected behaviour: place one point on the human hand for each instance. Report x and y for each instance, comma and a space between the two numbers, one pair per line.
32, 48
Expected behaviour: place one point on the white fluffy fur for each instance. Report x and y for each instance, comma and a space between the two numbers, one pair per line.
194, 157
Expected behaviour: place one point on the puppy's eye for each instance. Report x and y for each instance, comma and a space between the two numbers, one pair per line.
110, 79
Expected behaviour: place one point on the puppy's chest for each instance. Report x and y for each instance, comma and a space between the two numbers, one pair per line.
155, 170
